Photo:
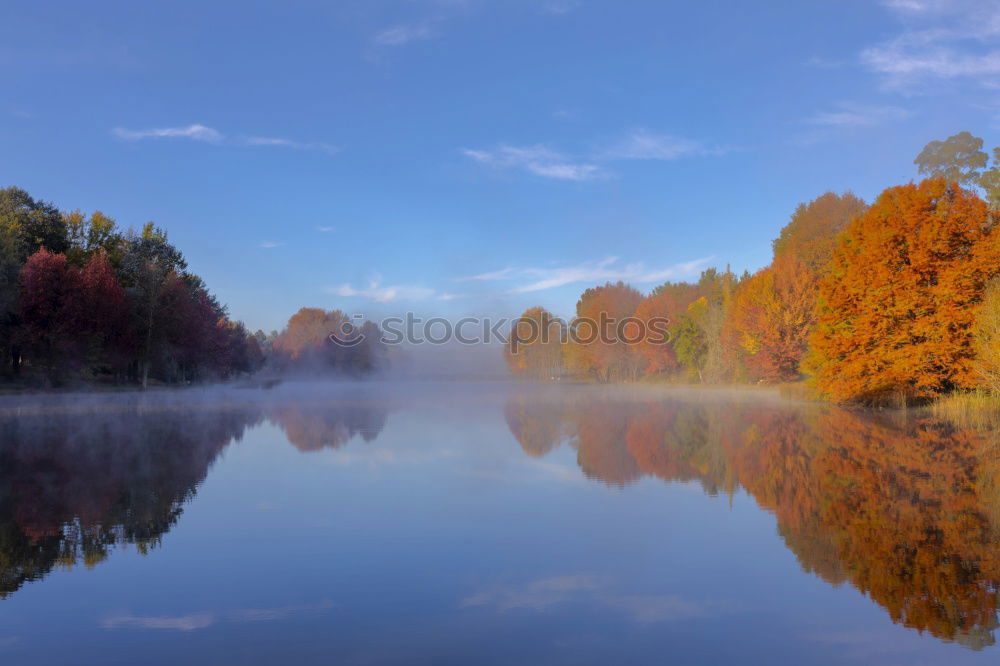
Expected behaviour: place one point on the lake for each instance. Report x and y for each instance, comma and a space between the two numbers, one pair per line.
491, 523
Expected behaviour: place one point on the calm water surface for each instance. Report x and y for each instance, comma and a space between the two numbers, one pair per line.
491, 524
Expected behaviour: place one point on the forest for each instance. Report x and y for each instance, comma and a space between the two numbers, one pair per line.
84, 301
892, 302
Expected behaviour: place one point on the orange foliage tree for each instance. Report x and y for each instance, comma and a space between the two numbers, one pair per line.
535, 346
599, 313
771, 318
811, 234
898, 303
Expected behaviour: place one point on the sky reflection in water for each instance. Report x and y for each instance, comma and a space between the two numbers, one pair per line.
458, 523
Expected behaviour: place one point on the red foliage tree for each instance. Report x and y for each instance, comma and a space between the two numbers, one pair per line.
49, 332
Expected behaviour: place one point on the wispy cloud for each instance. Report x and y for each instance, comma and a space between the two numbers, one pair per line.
538, 160
645, 145
206, 134
639, 144
501, 274
375, 291
325, 230
278, 142
605, 270
848, 114
560, 7
270, 245
941, 39
195, 132
398, 35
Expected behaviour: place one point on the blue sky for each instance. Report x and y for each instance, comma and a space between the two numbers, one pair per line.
477, 156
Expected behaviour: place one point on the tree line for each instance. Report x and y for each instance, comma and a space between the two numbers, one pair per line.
898, 300
81, 299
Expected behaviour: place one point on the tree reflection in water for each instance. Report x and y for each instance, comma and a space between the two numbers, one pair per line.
905, 509
77, 482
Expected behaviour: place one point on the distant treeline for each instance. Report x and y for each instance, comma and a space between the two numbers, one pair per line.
83, 300
895, 301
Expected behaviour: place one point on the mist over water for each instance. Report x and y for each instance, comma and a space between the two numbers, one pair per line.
366, 522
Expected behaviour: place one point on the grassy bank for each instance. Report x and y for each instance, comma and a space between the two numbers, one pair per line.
972, 409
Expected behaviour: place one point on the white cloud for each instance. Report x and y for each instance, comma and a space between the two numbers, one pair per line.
492, 275
209, 135
399, 35
941, 39
848, 114
278, 142
325, 230
645, 145
195, 132
383, 294
605, 270
537, 160
541, 160
270, 245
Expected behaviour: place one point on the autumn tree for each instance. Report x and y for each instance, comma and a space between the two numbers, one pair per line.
33, 224
88, 235
772, 316
600, 344
320, 342
811, 234
101, 309
47, 331
898, 304
771, 319
657, 312
26, 225
534, 349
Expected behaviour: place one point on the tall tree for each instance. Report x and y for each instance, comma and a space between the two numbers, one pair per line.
101, 309
899, 301
811, 234
600, 347
535, 346
961, 159
33, 224
47, 332
26, 225
771, 319
147, 265
773, 312
89, 235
